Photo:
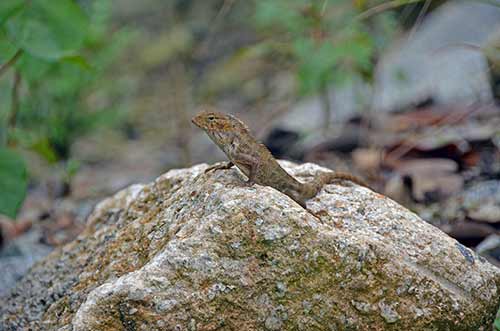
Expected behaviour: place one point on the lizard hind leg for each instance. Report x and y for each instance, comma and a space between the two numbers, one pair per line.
302, 202
297, 198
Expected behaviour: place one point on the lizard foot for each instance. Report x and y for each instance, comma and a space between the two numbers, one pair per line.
248, 182
317, 215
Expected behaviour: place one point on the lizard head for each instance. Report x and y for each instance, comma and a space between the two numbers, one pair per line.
229, 133
214, 122
211, 121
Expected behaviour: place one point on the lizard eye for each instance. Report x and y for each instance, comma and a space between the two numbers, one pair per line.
211, 117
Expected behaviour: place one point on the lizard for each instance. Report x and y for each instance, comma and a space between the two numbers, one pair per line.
256, 161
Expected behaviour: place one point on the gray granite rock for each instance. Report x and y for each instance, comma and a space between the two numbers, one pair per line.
195, 251
17, 257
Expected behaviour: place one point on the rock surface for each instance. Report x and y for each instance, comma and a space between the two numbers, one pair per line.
194, 251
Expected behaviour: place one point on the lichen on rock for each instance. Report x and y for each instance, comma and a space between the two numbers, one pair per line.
196, 251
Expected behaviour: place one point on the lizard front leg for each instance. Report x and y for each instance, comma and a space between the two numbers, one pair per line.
220, 166
248, 165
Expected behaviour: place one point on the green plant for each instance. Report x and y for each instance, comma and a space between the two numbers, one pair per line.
496, 323
13, 181
325, 41
52, 58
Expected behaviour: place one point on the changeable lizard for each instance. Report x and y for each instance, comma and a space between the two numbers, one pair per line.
256, 161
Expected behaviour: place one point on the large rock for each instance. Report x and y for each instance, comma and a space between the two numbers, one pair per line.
194, 251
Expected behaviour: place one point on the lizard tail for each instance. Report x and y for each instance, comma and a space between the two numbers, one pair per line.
312, 188
334, 176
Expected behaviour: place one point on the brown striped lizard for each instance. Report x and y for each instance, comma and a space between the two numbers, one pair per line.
256, 161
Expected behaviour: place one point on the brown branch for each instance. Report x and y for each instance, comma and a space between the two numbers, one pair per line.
10, 62
453, 117
420, 18
385, 6
225, 8
15, 99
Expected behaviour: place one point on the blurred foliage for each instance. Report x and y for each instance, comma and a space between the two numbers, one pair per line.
13, 181
325, 41
53, 55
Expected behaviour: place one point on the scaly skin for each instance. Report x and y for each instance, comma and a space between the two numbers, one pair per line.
256, 161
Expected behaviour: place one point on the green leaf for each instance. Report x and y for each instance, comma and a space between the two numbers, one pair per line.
316, 63
79, 61
33, 69
72, 167
49, 29
43, 148
279, 14
497, 321
9, 8
7, 49
13, 182
75, 78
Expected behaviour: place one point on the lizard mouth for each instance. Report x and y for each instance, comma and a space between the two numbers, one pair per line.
194, 120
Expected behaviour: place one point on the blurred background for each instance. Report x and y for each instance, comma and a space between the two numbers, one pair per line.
97, 94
